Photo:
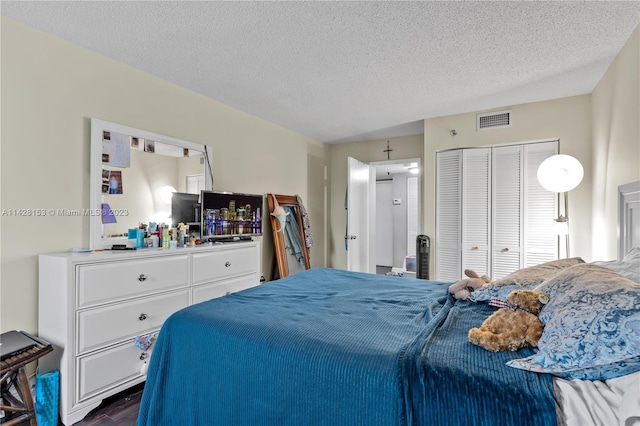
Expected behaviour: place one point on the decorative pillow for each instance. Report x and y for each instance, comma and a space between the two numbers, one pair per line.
592, 325
629, 266
522, 279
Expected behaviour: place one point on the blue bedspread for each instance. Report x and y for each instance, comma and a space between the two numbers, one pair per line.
331, 347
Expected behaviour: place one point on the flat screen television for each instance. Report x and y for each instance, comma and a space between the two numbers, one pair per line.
185, 208
230, 216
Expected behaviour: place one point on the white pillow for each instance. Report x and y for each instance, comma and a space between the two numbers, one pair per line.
629, 266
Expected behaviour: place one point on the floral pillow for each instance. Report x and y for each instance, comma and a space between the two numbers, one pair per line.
592, 325
522, 279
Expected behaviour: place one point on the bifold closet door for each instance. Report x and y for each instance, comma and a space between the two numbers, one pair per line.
540, 207
476, 210
507, 209
448, 215
522, 210
492, 215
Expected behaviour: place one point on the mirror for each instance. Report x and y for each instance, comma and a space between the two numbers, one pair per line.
133, 175
291, 251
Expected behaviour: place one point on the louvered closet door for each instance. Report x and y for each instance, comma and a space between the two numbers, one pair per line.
448, 214
540, 207
476, 214
507, 210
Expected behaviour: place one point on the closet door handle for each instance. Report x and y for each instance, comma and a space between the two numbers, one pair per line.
475, 248
227, 264
142, 317
505, 249
142, 277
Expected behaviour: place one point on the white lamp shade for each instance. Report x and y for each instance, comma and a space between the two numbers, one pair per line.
560, 173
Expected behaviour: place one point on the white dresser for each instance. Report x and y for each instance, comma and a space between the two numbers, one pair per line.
93, 305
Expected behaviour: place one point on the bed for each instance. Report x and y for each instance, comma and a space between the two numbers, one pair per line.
327, 346
332, 347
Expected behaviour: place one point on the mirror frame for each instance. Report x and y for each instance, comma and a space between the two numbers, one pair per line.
278, 237
95, 178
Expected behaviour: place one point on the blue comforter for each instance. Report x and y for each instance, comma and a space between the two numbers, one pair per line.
331, 347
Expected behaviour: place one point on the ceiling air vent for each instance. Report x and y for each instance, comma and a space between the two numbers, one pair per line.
494, 120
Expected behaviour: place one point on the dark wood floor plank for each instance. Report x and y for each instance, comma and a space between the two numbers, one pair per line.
118, 410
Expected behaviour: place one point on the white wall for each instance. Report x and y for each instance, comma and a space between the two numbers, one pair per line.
391, 227
616, 142
384, 219
51, 89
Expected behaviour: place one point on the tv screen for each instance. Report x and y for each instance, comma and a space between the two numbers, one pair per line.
185, 208
230, 216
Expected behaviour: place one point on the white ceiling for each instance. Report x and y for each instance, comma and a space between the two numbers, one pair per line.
351, 71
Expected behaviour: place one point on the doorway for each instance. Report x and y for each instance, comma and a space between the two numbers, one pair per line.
390, 235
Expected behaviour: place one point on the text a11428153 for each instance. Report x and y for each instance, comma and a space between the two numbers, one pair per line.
62, 212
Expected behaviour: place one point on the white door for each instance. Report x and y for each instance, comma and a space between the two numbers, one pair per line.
195, 184
506, 192
448, 215
476, 213
359, 213
540, 207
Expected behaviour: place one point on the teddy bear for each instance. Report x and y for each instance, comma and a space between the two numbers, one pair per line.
514, 326
463, 288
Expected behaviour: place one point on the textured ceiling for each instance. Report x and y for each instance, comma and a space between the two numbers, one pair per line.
349, 71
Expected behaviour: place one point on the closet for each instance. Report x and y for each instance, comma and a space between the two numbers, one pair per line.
492, 215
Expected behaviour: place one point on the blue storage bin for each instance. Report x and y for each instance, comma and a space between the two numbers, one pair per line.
47, 394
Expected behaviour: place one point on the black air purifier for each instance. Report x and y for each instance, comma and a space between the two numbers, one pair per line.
423, 249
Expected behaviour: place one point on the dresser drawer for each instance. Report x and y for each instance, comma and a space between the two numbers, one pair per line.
109, 324
111, 281
106, 369
225, 263
221, 288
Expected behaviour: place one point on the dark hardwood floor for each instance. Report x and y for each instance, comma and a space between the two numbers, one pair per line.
118, 410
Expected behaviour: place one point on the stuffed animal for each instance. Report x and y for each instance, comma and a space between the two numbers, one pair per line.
463, 288
515, 325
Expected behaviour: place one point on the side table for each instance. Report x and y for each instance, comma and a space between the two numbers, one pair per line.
13, 374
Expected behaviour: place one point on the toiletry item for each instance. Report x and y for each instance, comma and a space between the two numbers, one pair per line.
139, 238
154, 239
132, 235
165, 237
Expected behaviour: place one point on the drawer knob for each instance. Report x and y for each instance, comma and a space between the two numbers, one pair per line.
142, 277
143, 356
142, 317
227, 264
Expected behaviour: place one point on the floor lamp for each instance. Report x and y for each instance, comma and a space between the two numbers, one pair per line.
560, 174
